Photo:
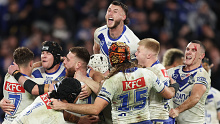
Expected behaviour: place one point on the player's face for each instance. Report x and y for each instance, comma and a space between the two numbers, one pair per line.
192, 54
47, 59
141, 55
114, 16
69, 64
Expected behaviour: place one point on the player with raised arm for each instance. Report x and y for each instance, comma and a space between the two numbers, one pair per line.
127, 89
115, 30
194, 81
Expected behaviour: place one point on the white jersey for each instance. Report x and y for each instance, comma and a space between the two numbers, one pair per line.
39, 112
18, 96
58, 75
212, 106
186, 80
128, 94
159, 106
102, 37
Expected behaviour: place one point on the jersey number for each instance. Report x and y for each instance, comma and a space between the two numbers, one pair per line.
140, 99
15, 99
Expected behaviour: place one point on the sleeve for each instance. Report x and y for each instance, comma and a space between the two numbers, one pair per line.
107, 91
202, 78
217, 100
157, 84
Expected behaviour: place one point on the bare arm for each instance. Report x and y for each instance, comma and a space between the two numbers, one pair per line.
96, 48
94, 83
196, 93
169, 92
94, 109
33, 90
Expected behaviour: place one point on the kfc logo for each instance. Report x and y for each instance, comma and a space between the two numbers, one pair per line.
134, 84
14, 87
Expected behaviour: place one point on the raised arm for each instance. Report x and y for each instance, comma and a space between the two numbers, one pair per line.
197, 92
29, 85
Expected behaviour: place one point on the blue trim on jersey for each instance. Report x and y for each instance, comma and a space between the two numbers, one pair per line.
168, 121
130, 70
24, 75
210, 96
144, 122
55, 71
61, 74
88, 72
124, 29
37, 74
103, 98
103, 45
183, 82
162, 89
192, 70
157, 62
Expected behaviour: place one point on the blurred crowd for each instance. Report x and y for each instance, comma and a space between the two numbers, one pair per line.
72, 23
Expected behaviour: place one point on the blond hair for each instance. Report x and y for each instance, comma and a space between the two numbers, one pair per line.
172, 55
150, 43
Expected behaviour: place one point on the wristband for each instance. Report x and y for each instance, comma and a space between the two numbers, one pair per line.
175, 86
17, 74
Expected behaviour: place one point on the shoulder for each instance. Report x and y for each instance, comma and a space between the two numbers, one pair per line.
102, 28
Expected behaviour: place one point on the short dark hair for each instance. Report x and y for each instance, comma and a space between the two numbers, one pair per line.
172, 55
200, 43
82, 53
22, 56
68, 90
124, 7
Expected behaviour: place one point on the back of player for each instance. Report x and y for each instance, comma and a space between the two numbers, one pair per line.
131, 92
159, 106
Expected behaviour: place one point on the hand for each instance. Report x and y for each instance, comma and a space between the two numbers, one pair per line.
12, 68
57, 104
85, 92
6, 106
173, 113
171, 80
88, 119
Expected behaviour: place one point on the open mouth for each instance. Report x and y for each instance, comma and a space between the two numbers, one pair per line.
188, 57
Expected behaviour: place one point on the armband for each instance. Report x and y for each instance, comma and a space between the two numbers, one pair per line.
17, 74
41, 89
175, 86
29, 85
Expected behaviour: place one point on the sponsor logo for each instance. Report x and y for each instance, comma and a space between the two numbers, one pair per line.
14, 87
164, 72
134, 84
46, 100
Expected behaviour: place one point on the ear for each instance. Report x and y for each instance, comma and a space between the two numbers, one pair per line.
123, 17
149, 56
31, 63
202, 56
78, 65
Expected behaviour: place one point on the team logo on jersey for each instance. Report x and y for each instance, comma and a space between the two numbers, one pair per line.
134, 84
164, 72
14, 87
46, 100
183, 76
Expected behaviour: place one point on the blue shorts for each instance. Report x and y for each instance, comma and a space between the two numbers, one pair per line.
168, 121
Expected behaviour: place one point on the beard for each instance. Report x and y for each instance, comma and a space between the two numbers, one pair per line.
70, 72
117, 22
